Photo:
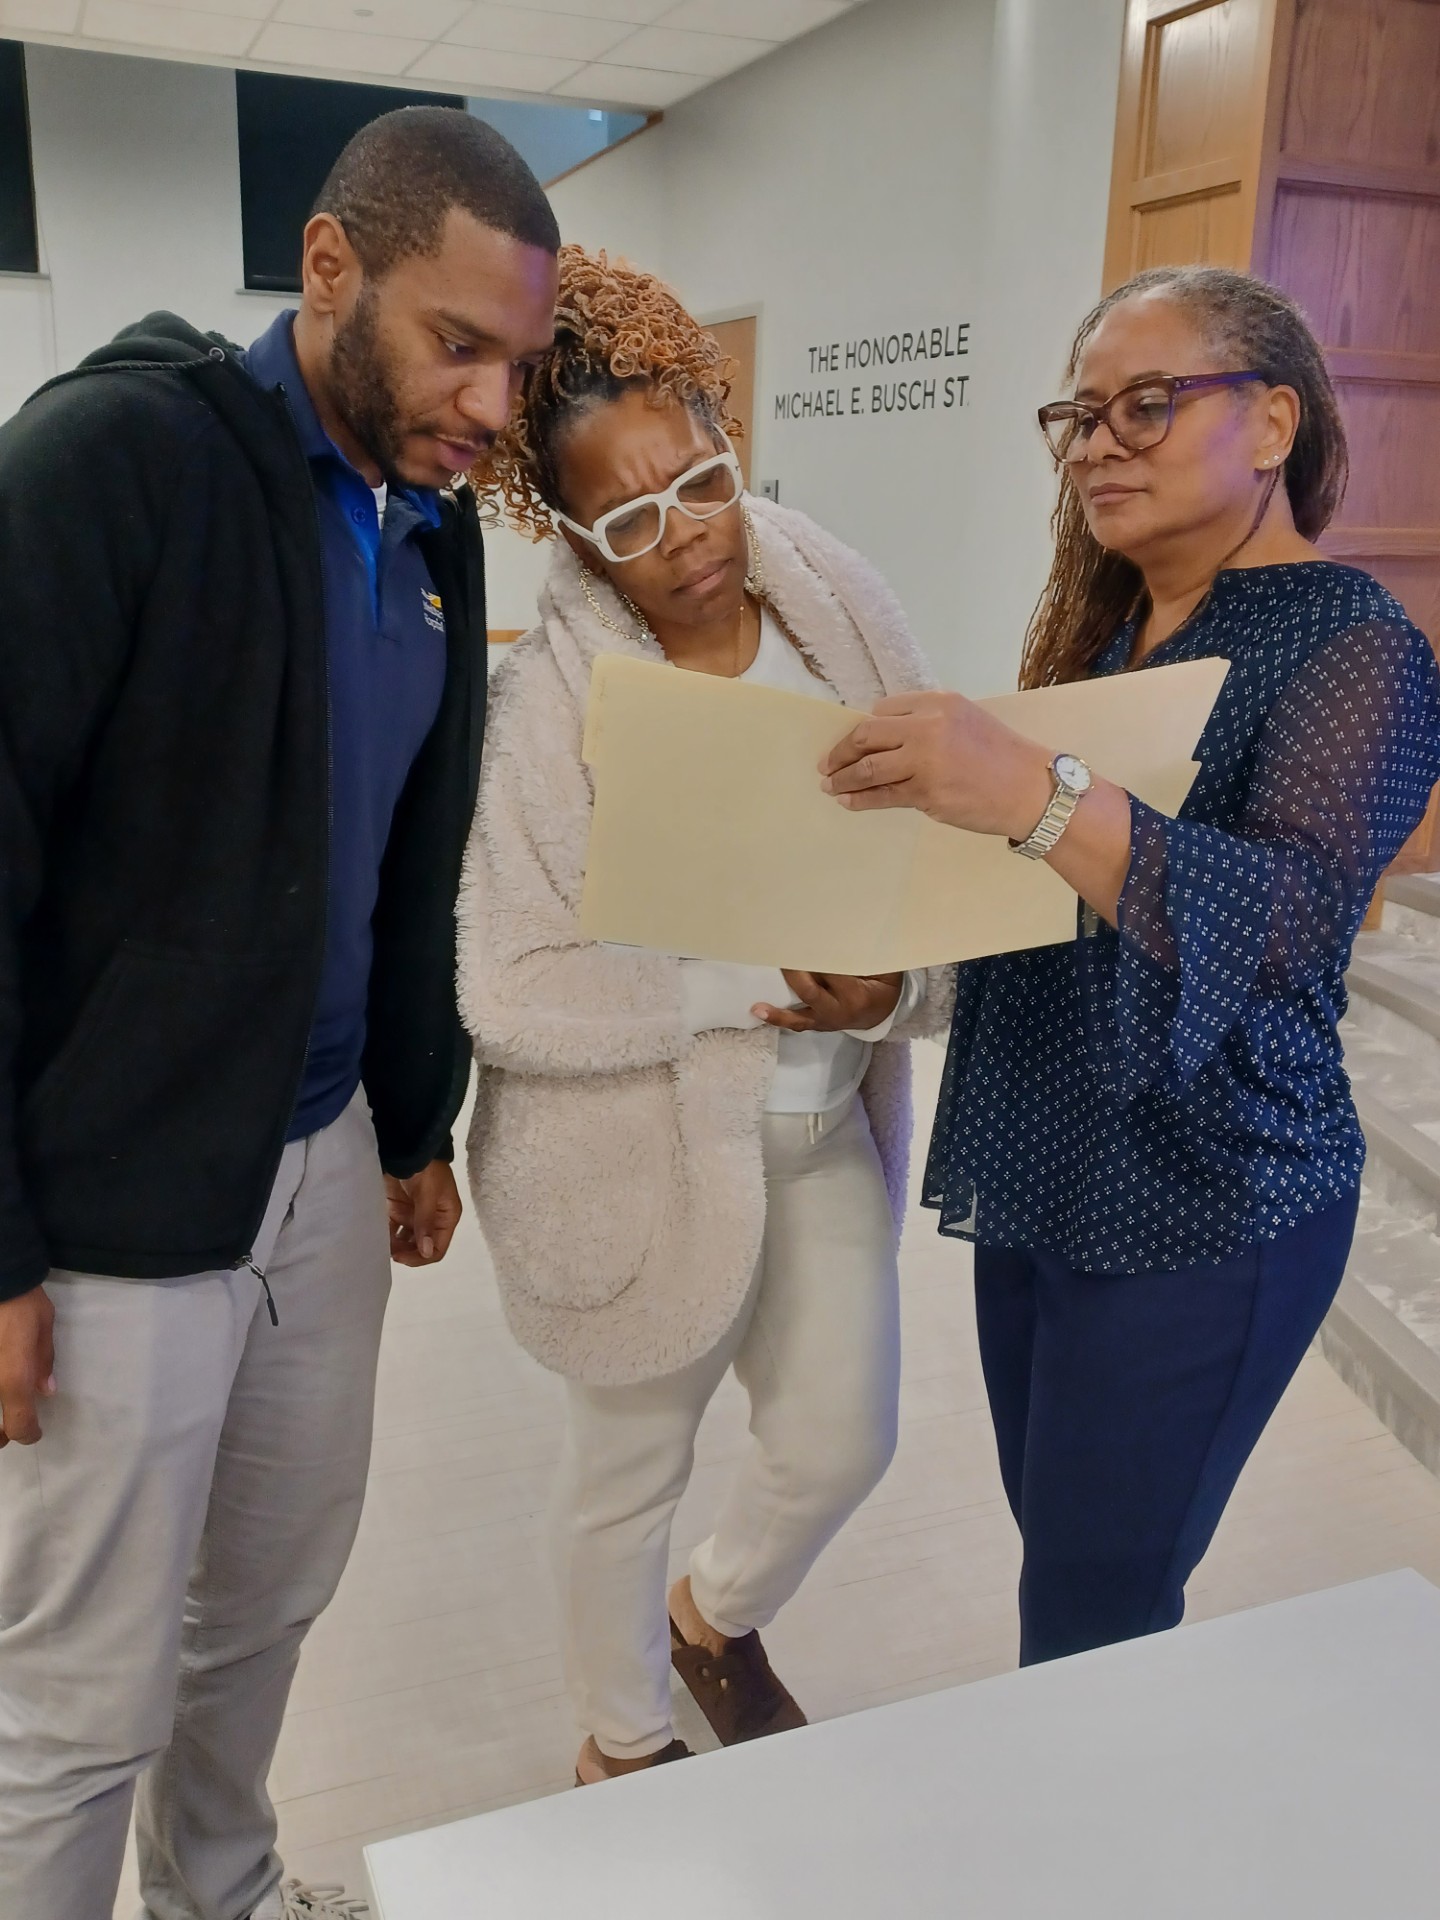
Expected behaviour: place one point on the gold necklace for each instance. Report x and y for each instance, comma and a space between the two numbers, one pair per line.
646, 632
740, 626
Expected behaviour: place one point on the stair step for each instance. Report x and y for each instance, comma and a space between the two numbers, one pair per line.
1383, 1333
1406, 983
1388, 1366
1401, 1147
1389, 1062
1416, 892
1396, 1259
1411, 910
1401, 947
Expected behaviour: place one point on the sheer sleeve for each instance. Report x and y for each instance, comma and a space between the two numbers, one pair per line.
1212, 919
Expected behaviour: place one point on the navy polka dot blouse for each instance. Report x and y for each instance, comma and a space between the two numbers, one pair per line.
1169, 1094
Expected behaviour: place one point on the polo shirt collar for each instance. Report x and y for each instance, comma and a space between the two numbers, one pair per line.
273, 365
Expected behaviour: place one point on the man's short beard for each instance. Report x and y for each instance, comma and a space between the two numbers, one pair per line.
362, 387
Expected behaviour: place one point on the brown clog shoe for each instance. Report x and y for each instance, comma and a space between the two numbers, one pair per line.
737, 1690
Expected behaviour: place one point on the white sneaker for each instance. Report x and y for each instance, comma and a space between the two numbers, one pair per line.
293, 1901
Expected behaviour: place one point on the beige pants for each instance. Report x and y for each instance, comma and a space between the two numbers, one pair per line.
817, 1349
165, 1547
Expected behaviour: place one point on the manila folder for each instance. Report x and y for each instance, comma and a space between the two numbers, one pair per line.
712, 837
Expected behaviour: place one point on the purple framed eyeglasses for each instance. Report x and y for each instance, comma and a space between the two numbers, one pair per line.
1139, 416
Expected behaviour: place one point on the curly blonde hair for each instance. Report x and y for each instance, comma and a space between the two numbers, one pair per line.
616, 329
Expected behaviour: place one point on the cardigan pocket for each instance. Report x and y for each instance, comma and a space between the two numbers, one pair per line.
575, 1180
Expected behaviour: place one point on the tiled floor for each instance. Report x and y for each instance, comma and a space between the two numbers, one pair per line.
431, 1689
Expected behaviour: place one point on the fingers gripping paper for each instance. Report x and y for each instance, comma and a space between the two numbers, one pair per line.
712, 836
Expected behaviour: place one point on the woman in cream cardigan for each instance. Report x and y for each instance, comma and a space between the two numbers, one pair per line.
679, 1167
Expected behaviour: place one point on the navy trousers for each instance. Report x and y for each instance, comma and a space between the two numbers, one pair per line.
1125, 1407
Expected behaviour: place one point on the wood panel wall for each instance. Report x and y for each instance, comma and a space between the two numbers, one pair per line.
1300, 140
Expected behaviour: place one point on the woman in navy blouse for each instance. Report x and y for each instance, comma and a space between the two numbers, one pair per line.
1148, 1133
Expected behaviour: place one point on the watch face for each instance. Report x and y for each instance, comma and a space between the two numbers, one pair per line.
1073, 773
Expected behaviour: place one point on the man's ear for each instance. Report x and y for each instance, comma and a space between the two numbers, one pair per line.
330, 270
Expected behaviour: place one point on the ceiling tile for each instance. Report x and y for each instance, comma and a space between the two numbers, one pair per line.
634, 13
710, 54
563, 36
608, 85
760, 19
40, 16
135, 24
359, 53
475, 69
238, 9
409, 19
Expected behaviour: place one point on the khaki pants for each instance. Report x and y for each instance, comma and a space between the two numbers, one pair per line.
165, 1547
817, 1349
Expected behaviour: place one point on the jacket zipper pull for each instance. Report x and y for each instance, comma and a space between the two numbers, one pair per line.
249, 1261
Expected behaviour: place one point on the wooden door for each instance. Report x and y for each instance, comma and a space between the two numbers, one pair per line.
1189, 134
737, 337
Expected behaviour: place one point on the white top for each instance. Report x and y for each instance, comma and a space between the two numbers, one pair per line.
814, 1072
1280, 1764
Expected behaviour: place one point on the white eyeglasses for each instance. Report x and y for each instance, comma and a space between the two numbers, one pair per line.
638, 527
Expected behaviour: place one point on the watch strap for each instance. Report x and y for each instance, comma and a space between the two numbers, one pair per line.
1051, 824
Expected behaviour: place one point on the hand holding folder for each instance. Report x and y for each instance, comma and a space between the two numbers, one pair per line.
713, 838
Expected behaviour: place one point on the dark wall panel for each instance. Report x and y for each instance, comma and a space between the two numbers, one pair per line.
291, 133
19, 245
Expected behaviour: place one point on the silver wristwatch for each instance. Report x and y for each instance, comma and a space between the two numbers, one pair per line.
1073, 779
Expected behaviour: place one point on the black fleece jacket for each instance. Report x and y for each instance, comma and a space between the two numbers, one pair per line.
164, 801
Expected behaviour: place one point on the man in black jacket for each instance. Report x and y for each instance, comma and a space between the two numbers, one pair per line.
242, 685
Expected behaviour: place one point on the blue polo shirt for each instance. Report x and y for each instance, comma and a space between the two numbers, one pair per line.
385, 652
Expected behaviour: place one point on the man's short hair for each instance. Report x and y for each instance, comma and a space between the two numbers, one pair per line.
395, 183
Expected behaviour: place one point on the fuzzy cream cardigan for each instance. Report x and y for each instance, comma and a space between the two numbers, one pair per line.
615, 1159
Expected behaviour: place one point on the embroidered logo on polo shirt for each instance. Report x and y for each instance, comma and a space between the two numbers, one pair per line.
434, 612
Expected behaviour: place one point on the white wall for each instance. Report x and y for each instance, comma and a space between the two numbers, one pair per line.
1052, 84
137, 195
27, 338
918, 163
